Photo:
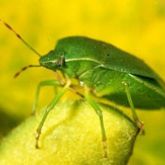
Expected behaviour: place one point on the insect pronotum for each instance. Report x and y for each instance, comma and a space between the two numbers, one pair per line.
103, 71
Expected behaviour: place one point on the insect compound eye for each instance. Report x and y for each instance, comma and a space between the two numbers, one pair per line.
61, 61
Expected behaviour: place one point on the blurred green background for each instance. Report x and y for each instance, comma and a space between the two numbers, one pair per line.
137, 26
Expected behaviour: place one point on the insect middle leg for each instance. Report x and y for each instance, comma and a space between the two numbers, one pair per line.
98, 111
47, 110
42, 84
134, 114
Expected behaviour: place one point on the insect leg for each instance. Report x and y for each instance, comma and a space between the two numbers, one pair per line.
98, 111
134, 114
47, 110
40, 85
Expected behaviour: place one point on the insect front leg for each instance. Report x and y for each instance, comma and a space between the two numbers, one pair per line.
98, 111
134, 114
42, 84
47, 110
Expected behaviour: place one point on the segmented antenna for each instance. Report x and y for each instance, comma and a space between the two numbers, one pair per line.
25, 68
19, 37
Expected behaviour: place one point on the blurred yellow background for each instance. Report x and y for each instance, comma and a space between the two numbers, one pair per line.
137, 26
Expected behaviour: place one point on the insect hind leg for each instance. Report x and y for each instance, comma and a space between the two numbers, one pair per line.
139, 123
98, 111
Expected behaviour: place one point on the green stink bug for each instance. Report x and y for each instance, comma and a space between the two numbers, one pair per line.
103, 72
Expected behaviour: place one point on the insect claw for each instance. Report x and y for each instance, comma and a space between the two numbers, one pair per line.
105, 154
37, 145
37, 139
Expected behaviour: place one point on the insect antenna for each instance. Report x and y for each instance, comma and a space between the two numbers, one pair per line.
19, 37
25, 68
